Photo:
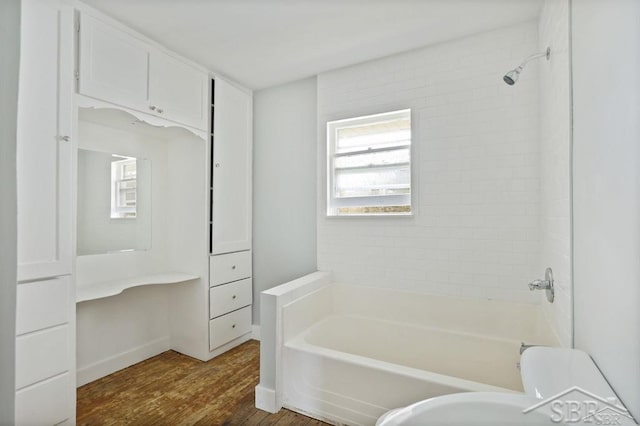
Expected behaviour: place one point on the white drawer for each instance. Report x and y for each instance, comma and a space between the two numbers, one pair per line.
45, 403
229, 297
225, 268
228, 327
41, 355
42, 304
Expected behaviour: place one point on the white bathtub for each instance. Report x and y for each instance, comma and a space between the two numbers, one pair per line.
347, 354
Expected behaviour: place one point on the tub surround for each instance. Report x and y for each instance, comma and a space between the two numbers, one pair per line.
555, 166
475, 149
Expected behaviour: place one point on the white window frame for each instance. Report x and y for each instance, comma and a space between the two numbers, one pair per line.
118, 210
334, 203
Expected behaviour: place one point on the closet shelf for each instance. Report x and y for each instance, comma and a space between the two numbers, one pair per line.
112, 288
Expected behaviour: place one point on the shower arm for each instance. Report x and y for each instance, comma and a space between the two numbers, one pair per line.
546, 53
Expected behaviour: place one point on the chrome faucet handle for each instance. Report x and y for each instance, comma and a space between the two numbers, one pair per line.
539, 285
546, 284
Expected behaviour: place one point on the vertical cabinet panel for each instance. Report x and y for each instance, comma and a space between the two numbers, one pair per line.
178, 90
231, 169
43, 151
114, 66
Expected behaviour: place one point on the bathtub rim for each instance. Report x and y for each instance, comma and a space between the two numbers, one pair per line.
300, 344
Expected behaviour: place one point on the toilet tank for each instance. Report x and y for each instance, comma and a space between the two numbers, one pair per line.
547, 372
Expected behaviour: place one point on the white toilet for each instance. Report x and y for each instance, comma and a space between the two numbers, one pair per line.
562, 386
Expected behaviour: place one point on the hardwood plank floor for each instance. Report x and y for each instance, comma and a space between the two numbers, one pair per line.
174, 389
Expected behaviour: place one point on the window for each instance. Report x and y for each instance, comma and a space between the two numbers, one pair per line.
123, 187
369, 165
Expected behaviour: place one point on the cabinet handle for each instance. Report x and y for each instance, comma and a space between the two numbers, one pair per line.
160, 111
152, 107
64, 138
234, 296
217, 164
233, 267
233, 326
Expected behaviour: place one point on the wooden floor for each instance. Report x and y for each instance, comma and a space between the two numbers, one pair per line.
174, 389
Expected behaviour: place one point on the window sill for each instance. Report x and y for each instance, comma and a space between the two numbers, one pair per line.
372, 215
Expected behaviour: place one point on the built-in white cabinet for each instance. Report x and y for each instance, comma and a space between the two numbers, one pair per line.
45, 338
230, 299
116, 66
45, 346
232, 163
231, 292
178, 91
229, 327
67, 52
113, 65
44, 148
230, 267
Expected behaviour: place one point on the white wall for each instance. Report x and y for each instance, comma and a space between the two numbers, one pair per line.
115, 332
284, 180
9, 51
476, 176
555, 164
606, 70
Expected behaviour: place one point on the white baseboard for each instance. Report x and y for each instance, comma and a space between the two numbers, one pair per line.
122, 360
228, 346
255, 332
266, 399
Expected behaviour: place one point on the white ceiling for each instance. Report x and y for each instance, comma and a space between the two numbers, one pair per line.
262, 43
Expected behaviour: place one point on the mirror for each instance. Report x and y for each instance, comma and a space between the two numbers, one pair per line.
114, 203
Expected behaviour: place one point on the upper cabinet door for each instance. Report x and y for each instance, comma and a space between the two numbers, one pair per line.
119, 68
44, 149
178, 91
114, 66
232, 143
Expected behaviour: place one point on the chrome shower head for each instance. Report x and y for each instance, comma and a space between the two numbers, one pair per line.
512, 76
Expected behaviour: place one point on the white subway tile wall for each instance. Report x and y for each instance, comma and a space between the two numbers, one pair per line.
476, 179
555, 148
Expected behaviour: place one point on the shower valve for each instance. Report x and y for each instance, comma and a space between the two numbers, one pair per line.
546, 284
539, 285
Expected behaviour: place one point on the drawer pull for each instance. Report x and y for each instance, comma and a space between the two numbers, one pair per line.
233, 267
234, 296
233, 326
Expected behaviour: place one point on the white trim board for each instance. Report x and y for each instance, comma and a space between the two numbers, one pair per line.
255, 332
122, 360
